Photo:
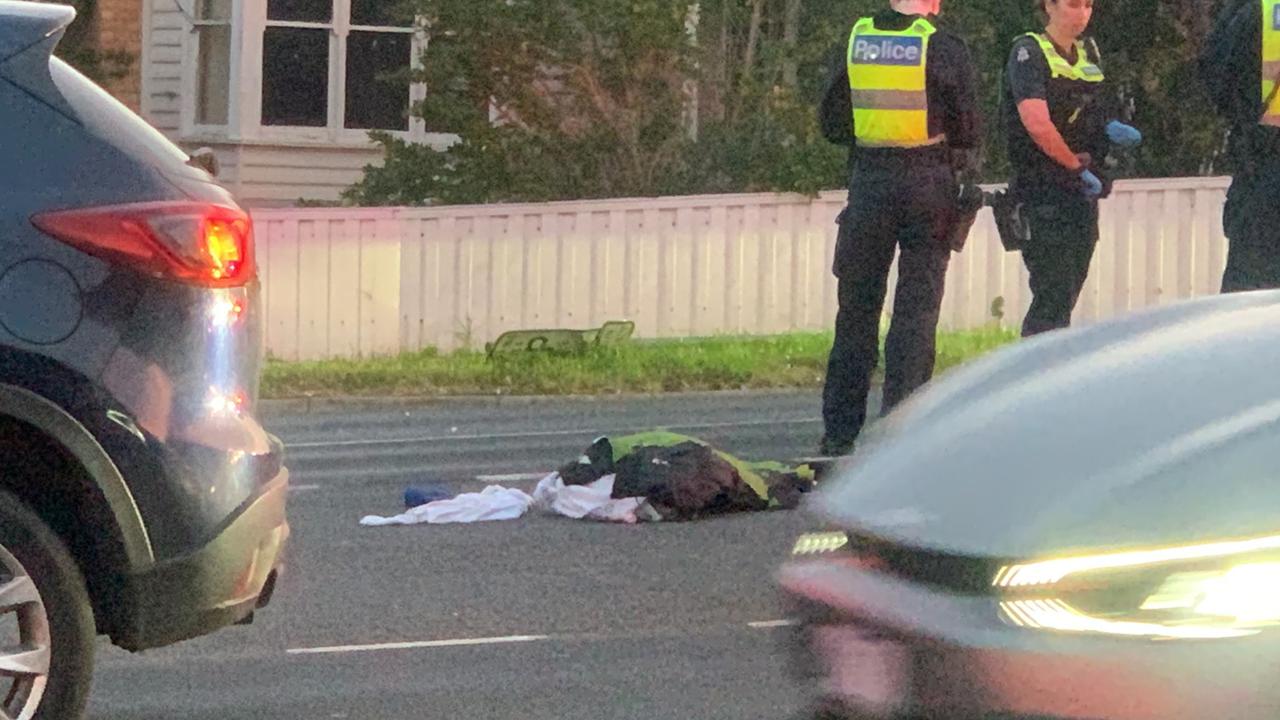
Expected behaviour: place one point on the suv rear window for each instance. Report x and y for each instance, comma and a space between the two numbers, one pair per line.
107, 118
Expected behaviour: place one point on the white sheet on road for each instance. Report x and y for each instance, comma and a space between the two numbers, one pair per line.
593, 502
493, 503
552, 496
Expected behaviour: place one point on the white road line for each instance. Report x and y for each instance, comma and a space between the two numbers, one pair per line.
338, 649
545, 433
487, 479
768, 624
514, 477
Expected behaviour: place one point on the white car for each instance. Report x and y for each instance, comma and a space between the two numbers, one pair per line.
1083, 525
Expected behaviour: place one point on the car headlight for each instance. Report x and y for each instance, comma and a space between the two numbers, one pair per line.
1214, 590
820, 543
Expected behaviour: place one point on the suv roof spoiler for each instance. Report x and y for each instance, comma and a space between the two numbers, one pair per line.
26, 24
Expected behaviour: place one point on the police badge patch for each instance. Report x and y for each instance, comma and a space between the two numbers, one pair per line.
1023, 55
887, 50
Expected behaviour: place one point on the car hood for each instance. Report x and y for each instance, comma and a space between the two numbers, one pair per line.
1157, 428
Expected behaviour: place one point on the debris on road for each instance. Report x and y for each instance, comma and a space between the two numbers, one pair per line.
591, 501
684, 477
493, 503
635, 478
421, 495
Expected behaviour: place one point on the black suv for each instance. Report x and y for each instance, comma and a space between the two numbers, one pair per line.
139, 497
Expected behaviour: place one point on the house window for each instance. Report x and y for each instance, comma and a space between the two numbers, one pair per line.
213, 60
325, 64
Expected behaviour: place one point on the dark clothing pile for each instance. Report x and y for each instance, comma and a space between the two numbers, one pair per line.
684, 479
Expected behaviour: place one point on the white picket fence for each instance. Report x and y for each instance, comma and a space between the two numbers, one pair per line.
362, 282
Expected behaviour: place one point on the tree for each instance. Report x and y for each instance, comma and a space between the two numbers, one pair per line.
561, 99
553, 98
1151, 48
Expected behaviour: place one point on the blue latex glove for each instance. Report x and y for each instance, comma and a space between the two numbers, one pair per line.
1092, 185
1125, 136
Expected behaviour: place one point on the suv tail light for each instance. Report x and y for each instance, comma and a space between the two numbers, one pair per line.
197, 243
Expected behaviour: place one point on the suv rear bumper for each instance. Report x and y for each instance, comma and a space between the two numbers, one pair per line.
218, 585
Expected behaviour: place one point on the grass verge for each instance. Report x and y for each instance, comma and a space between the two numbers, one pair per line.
796, 360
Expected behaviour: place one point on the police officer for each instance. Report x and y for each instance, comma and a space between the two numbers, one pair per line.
903, 95
1060, 123
1241, 68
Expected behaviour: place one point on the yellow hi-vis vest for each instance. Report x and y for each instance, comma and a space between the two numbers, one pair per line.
1271, 62
887, 85
1085, 70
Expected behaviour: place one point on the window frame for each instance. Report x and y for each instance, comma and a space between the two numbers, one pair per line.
298, 131
191, 65
339, 73
248, 29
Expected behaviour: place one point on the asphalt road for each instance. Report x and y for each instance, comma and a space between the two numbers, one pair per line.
535, 618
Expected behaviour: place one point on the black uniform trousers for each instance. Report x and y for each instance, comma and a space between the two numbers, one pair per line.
906, 204
1064, 234
1252, 223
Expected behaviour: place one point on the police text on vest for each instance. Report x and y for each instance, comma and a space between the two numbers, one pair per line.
887, 50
